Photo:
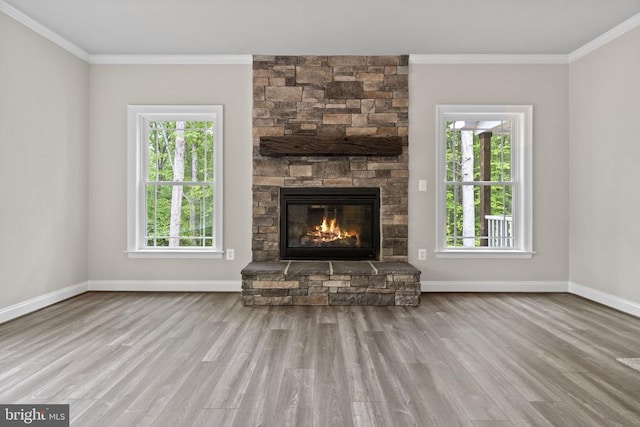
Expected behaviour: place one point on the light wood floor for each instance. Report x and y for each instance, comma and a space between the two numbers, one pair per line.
137, 359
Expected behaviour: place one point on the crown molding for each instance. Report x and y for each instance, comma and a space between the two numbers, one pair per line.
417, 59
172, 59
605, 38
43, 31
489, 59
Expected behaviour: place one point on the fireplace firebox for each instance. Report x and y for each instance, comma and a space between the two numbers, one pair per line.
329, 223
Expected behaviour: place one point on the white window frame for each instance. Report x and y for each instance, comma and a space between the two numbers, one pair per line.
521, 117
137, 152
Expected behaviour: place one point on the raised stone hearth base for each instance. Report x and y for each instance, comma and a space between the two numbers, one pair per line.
330, 283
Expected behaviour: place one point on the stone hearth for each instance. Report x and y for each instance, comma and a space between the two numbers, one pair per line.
330, 283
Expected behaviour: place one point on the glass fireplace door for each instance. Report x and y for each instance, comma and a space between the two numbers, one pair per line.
329, 224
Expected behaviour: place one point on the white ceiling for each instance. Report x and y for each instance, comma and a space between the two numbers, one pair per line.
364, 27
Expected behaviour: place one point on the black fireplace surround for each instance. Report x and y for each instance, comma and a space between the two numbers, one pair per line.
318, 223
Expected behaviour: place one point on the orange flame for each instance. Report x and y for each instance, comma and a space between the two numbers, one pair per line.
329, 231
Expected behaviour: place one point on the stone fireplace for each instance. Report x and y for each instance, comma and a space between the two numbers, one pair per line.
322, 127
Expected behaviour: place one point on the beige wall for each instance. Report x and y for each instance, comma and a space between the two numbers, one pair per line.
115, 86
546, 88
605, 176
43, 165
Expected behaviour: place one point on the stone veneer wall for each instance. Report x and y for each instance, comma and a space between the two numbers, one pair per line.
335, 97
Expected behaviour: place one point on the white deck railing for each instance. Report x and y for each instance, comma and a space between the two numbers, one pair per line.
500, 231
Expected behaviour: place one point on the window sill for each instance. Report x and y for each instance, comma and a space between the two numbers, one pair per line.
484, 254
175, 253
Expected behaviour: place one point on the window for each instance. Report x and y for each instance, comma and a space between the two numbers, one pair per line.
484, 194
174, 181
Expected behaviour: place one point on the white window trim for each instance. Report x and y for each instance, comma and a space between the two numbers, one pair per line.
521, 172
136, 160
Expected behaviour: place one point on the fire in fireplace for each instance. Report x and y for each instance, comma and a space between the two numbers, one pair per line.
329, 232
330, 223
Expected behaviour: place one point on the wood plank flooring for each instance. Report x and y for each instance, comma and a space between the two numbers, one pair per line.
198, 359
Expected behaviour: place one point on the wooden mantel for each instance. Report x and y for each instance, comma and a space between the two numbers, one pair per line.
303, 145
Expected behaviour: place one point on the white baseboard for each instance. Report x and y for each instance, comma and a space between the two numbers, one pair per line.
493, 286
34, 304
166, 285
622, 304
618, 303
26, 307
